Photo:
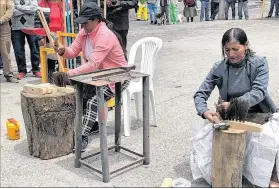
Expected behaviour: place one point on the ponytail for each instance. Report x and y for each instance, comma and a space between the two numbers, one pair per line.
111, 27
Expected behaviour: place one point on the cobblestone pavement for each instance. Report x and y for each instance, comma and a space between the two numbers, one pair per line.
189, 51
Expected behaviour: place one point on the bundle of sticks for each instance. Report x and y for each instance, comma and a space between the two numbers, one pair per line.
239, 111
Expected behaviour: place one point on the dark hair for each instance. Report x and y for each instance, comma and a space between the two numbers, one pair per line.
239, 35
111, 27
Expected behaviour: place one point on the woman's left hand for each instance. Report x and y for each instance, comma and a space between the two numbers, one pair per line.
224, 105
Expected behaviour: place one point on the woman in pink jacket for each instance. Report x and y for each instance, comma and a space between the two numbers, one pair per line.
102, 49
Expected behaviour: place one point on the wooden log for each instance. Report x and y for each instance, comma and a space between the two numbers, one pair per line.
49, 123
228, 147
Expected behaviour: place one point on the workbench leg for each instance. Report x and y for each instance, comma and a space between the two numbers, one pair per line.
117, 116
103, 134
78, 125
146, 140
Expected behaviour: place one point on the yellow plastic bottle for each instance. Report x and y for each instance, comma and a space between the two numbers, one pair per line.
13, 129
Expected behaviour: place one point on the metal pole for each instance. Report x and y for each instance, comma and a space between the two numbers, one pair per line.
146, 139
117, 116
221, 13
78, 125
103, 134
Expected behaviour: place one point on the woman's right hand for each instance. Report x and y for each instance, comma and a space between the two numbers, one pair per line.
209, 116
59, 49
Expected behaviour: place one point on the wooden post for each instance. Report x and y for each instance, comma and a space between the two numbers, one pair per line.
228, 147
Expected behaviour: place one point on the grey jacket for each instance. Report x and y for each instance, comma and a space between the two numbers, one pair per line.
256, 69
23, 16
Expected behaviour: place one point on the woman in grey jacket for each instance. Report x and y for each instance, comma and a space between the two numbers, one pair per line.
241, 75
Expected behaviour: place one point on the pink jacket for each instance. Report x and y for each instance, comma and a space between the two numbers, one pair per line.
106, 50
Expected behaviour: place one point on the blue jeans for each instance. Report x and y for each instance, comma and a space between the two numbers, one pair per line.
152, 11
204, 10
18, 41
272, 4
243, 6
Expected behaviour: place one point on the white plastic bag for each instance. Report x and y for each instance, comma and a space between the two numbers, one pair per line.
261, 152
202, 149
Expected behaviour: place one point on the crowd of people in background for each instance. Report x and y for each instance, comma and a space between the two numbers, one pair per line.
17, 15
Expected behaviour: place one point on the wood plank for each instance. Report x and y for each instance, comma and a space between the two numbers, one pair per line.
247, 126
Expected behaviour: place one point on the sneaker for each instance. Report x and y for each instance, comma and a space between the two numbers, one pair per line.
155, 22
94, 129
21, 75
151, 22
37, 74
84, 143
1, 72
11, 79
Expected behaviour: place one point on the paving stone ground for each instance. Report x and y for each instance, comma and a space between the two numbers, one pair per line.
189, 51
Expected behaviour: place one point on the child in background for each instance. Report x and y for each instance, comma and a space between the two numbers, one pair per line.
142, 9
152, 7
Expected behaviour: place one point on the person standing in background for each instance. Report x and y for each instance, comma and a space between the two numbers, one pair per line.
23, 17
190, 10
165, 9
204, 10
272, 4
6, 12
243, 5
152, 7
214, 8
118, 14
230, 3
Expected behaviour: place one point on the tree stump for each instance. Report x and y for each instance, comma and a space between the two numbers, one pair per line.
228, 149
49, 123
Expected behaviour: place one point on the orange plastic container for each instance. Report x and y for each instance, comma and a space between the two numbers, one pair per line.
13, 129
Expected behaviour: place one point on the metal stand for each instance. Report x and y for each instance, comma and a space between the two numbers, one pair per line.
145, 158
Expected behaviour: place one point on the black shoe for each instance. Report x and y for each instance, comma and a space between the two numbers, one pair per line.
268, 17
84, 144
151, 22
94, 129
155, 22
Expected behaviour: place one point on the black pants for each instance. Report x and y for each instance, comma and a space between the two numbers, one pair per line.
228, 5
123, 34
18, 41
214, 9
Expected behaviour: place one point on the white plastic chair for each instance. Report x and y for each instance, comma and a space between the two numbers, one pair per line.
150, 48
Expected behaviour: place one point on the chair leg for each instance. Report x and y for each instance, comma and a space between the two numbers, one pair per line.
153, 106
127, 112
138, 103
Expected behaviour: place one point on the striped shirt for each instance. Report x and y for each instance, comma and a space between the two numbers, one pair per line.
6, 10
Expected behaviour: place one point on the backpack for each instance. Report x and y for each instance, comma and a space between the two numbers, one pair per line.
189, 2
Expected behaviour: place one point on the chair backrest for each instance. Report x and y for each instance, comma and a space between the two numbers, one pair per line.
150, 47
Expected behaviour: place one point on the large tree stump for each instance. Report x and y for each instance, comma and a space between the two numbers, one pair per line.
49, 123
228, 149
